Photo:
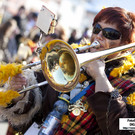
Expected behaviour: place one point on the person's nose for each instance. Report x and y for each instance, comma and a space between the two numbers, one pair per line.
100, 35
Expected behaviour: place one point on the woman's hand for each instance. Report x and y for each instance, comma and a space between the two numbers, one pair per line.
96, 70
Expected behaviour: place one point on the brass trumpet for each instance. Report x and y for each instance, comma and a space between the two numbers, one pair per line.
61, 65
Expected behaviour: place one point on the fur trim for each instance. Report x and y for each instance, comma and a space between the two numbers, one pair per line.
16, 119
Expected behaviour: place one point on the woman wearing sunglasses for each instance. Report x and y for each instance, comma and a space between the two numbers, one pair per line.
113, 27
101, 104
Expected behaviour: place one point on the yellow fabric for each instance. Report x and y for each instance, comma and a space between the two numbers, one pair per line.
9, 70
127, 65
7, 96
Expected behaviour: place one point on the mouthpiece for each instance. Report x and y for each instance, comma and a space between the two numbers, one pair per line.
95, 44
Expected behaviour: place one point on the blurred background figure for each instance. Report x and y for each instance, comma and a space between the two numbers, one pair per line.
7, 15
47, 38
33, 44
86, 33
61, 32
8, 46
27, 50
72, 38
31, 22
20, 18
24, 51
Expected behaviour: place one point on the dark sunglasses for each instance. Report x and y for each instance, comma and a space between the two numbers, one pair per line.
109, 33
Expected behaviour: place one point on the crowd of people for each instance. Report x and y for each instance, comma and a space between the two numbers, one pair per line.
15, 31
103, 97
18, 31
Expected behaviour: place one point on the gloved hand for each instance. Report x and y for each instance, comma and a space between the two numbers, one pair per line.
17, 82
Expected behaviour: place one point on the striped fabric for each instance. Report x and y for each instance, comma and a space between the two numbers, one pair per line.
86, 122
81, 124
123, 83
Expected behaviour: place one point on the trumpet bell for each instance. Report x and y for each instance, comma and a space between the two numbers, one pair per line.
60, 65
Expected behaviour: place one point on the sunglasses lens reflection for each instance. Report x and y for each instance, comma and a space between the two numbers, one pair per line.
108, 33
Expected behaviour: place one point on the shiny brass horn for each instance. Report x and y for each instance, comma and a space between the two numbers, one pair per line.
61, 65
66, 50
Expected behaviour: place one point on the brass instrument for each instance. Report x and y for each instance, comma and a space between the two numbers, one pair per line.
61, 65
43, 52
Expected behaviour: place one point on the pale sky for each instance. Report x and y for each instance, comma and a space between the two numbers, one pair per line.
127, 4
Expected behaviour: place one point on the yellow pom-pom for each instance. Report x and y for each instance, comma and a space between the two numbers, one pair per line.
74, 46
64, 119
82, 78
131, 99
127, 65
6, 97
9, 70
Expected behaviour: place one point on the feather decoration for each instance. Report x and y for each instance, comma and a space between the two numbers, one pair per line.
9, 70
131, 99
7, 96
127, 65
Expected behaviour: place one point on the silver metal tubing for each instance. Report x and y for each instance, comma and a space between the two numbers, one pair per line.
31, 65
33, 87
95, 44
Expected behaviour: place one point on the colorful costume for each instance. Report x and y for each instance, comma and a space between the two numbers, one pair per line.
103, 112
